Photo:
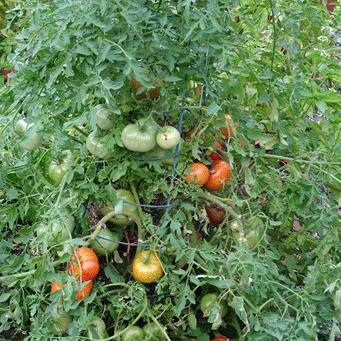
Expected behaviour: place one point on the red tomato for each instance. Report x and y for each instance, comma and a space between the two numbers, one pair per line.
220, 175
215, 214
84, 263
216, 156
199, 174
220, 338
227, 130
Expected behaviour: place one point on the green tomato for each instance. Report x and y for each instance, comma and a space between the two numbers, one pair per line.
31, 140
168, 137
133, 333
210, 301
57, 230
141, 136
152, 331
60, 323
103, 117
122, 219
105, 242
57, 170
97, 330
96, 146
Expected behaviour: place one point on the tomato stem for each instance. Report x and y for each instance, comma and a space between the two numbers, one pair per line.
159, 325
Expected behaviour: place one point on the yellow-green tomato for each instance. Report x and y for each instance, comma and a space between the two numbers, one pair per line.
133, 333
106, 242
122, 219
211, 301
168, 137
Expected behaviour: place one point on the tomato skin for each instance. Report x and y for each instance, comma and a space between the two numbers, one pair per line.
81, 292
57, 170
103, 117
220, 175
140, 136
168, 137
104, 242
209, 301
215, 214
147, 267
96, 147
88, 264
151, 331
199, 175
60, 323
134, 333
122, 219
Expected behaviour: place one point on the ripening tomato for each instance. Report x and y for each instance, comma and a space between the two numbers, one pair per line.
199, 174
220, 338
220, 175
84, 263
227, 130
85, 290
153, 93
147, 267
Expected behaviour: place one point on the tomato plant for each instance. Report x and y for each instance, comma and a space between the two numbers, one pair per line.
147, 267
84, 264
198, 175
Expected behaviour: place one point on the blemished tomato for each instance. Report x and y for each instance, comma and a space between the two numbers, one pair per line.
220, 175
97, 329
122, 219
199, 174
210, 301
106, 242
103, 117
216, 214
60, 323
140, 136
134, 333
84, 264
147, 267
152, 331
85, 290
32, 139
96, 146
153, 93
57, 170
227, 130
168, 137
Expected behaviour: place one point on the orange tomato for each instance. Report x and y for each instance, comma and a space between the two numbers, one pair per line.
220, 175
81, 292
227, 130
147, 267
220, 338
199, 175
154, 93
84, 263
216, 156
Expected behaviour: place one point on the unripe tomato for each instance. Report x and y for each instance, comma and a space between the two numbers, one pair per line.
81, 292
227, 130
140, 136
57, 170
103, 117
165, 155
152, 331
84, 264
168, 137
59, 324
147, 267
97, 329
209, 301
199, 174
105, 242
220, 175
96, 146
32, 139
134, 333
122, 219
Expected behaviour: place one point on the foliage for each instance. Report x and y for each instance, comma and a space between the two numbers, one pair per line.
274, 261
